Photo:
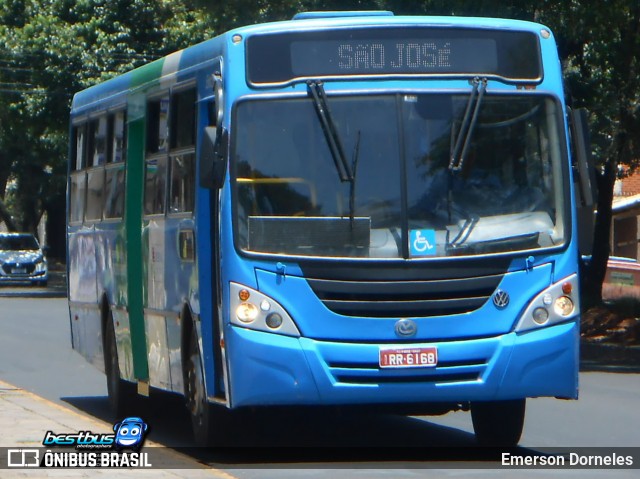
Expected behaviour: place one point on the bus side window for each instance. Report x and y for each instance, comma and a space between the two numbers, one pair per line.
114, 191
117, 137
78, 180
79, 159
157, 125
97, 157
95, 194
78, 186
183, 119
97, 142
156, 160
155, 180
183, 134
114, 172
182, 183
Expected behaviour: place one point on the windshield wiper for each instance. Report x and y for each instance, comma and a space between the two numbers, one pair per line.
456, 162
460, 144
316, 89
464, 233
506, 243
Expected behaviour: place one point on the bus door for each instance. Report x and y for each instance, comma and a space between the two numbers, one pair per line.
211, 161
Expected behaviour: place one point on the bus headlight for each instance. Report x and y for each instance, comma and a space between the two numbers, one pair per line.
553, 305
247, 312
253, 310
563, 306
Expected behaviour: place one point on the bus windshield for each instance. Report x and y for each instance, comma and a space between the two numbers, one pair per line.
405, 196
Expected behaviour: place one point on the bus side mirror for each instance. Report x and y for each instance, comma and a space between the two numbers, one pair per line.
213, 157
584, 173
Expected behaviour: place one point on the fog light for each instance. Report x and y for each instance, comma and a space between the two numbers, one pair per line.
247, 312
564, 306
274, 320
540, 315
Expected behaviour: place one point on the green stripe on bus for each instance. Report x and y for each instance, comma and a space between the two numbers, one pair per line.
133, 216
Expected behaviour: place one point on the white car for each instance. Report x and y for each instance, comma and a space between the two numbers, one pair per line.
22, 259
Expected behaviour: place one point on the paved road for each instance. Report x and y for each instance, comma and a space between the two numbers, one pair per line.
35, 354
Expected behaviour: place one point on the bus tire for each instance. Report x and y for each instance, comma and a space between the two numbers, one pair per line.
207, 420
498, 423
120, 392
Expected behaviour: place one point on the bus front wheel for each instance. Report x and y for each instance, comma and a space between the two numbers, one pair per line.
200, 410
498, 423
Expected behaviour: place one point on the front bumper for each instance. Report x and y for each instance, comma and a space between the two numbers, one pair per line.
23, 278
269, 369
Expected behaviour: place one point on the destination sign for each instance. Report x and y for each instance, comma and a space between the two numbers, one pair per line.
363, 57
291, 56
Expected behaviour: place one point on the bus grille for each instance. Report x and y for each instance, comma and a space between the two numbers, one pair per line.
445, 372
437, 297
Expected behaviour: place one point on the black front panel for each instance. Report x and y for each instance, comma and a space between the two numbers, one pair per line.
410, 291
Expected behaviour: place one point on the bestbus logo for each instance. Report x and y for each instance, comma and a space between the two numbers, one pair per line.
129, 433
81, 440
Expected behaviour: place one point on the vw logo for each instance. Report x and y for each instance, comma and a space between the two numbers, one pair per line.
406, 328
501, 299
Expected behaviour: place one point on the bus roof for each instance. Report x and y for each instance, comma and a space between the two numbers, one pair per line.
181, 60
309, 21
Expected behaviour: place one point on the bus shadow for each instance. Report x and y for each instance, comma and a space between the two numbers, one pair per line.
303, 436
164, 413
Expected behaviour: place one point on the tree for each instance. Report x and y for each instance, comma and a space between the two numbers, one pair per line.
600, 47
53, 48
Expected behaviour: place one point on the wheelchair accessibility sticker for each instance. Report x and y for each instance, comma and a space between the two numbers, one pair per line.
422, 242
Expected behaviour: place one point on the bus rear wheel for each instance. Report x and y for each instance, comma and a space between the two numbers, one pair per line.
498, 423
120, 392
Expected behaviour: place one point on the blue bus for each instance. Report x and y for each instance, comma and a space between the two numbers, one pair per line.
344, 209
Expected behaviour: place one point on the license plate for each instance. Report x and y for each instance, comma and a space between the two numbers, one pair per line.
19, 270
408, 357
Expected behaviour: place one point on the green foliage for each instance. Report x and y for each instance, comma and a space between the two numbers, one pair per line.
600, 47
54, 48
